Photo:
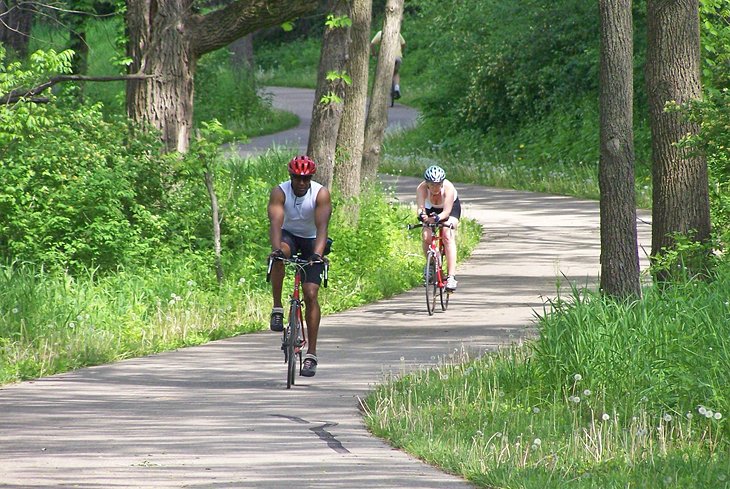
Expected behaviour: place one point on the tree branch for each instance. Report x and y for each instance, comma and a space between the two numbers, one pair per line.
20, 93
223, 26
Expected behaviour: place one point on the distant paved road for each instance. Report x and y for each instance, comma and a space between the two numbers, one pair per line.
300, 102
219, 415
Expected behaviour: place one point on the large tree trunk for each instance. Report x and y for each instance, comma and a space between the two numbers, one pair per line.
16, 19
328, 97
619, 244
680, 184
377, 119
166, 39
352, 127
242, 52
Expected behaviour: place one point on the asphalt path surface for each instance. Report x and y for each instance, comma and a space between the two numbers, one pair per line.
220, 416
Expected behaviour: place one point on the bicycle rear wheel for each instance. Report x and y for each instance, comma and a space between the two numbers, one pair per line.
291, 341
431, 283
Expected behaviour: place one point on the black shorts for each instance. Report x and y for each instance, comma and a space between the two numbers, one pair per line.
455, 210
304, 247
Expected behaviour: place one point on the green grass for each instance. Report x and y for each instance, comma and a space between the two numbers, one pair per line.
288, 65
612, 395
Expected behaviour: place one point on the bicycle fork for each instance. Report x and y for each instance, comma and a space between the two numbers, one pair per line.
299, 340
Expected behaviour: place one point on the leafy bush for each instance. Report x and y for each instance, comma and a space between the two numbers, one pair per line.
80, 191
501, 73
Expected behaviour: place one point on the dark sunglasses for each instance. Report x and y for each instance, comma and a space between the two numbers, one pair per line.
303, 178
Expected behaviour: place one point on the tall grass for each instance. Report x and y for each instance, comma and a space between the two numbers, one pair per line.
612, 395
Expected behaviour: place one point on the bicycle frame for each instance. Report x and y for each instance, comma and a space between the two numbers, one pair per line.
434, 256
436, 249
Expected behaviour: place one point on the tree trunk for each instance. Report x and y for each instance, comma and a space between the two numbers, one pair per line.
328, 97
210, 187
619, 244
680, 182
16, 19
377, 119
158, 45
352, 127
166, 39
242, 52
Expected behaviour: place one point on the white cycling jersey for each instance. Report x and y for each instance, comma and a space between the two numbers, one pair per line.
299, 211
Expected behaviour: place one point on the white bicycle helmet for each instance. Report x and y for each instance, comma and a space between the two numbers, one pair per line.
434, 174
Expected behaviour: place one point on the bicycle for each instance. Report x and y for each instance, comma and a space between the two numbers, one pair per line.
294, 336
434, 276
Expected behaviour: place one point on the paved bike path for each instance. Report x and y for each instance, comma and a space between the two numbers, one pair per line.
220, 416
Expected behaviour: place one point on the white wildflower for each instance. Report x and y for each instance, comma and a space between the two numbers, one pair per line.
605, 417
717, 415
577, 377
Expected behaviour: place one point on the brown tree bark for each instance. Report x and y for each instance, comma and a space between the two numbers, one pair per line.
352, 127
166, 39
377, 119
619, 244
329, 97
680, 182
242, 52
16, 19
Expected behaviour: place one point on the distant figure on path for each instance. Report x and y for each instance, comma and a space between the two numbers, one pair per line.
398, 60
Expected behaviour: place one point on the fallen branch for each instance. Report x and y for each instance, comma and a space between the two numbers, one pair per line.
21, 93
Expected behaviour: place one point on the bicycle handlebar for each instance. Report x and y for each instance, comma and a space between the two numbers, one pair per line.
432, 226
300, 263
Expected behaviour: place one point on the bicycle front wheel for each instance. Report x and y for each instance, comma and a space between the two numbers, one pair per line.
291, 342
431, 284
443, 293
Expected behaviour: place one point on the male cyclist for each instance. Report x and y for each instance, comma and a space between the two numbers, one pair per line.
437, 201
299, 213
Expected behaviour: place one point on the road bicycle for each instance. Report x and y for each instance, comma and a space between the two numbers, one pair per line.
294, 336
434, 278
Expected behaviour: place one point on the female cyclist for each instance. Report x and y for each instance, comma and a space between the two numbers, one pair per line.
438, 201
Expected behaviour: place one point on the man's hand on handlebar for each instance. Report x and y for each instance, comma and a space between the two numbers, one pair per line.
276, 254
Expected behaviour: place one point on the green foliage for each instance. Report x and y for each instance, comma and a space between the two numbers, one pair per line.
335, 22
81, 191
502, 73
715, 16
22, 118
77, 189
688, 258
229, 94
286, 65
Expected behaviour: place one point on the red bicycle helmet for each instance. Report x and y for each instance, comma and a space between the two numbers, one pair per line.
302, 166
